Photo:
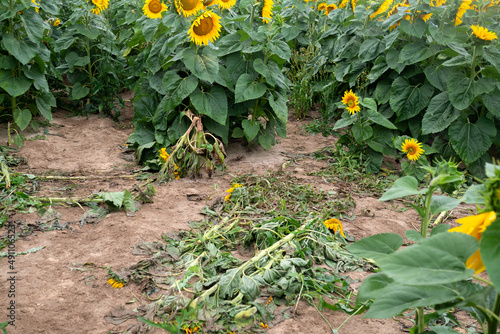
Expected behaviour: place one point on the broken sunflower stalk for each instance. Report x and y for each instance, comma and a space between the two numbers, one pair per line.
194, 151
115, 280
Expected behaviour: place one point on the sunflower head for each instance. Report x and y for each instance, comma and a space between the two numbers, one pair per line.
412, 148
322, 6
226, 4
205, 28
100, 6
56, 22
230, 191
207, 3
329, 8
475, 226
267, 11
188, 7
483, 33
334, 225
351, 101
153, 9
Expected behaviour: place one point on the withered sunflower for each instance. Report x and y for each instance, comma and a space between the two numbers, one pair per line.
205, 28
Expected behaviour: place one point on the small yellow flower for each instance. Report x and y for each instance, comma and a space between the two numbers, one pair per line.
335, 225
483, 33
230, 191
263, 325
115, 284
351, 101
412, 148
56, 22
475, 226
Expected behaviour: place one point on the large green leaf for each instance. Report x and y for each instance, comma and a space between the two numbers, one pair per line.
443, 203
407, 100
415, 28
33, 23
471, 140
177, 88
372, 287
18, 48
39, 80
439, 115
44, 102
492, 102
14, 86
438, 76
417, 51
378, 118
280, 48
371, 48
205, 65
490, 252
22, 118
462, 90
439, 259
79, 91
376, 246
395, 298
492, 54
74, 60
403, 187
279, 106
212, 103
250, 128
246, 89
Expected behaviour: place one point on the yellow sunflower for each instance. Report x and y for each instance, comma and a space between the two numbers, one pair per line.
100, 6
412, 148
343, 3
329, 8
230, 191
164, 155
438, 3
322, 6
226, 4
483, 33
188, 7
475, 226
115, 284
351, 101
466, 5
382, 9
153, 9
205, 28
56, 22
353, 4
267, 11
394, 8
335, 225
426, 17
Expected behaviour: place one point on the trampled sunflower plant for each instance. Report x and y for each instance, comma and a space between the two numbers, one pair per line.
216, 59
434, 273
25, 64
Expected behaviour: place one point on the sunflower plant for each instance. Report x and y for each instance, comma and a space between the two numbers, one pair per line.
433, 275
432, 67
216, 59
25, 65
91, 65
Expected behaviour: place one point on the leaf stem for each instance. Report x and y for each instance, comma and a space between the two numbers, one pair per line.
493, 322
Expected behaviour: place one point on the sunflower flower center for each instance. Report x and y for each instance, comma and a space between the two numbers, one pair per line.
155, 7
204, 27
350, 103
189, 4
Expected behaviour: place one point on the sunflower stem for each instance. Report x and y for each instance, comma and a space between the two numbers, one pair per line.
473, 65
493, 322
420, 320
252, 15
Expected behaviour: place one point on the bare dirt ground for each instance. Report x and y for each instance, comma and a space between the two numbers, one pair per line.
54, 291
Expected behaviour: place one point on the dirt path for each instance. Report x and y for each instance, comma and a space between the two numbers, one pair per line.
56, 293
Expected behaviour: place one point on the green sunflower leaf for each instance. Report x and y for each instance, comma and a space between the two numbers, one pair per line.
33, 24
439, 115
246, 89
376, 246
250, 129
408, 100
14, 86
417, 51
18, 48
22, 118
212, 103
492, 102
405, 186
205, 65
471, 140
79, 91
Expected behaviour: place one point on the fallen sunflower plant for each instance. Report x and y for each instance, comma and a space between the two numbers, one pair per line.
194, 151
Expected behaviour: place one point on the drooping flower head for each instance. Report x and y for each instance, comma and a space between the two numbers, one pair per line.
115, 284
466, 5
205, 28
351, 101
475, 226
188, 7
267, 11
165, 156
226, 4
100, 6
412, 148
335, 225
230, 191
329, 8
483, 33
153, 9
56, 22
